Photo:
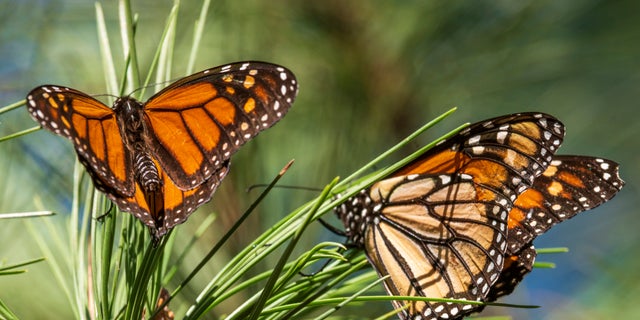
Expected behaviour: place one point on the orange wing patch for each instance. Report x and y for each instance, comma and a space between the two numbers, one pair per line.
249, 106
248, 82
185, 97
222, 110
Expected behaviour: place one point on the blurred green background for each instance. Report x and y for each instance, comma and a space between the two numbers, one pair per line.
370, 72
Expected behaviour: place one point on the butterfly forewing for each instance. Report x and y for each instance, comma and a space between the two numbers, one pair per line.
177, 204
212, 113
507, 152
570, 185
93, 129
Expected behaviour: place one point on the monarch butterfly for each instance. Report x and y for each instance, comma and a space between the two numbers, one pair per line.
440, 226
162, 159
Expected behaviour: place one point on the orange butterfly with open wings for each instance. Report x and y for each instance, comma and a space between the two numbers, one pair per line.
162, 159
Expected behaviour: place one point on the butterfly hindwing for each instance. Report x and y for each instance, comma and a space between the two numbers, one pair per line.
93, 129
515, 268
437, 236
200, 121
177, 204
506, 152
570, 185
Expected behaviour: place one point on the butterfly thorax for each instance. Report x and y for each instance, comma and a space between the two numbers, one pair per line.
357, 215
131, 123
133, 129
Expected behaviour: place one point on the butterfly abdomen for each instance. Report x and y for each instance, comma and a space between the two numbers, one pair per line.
146, 172
148, 179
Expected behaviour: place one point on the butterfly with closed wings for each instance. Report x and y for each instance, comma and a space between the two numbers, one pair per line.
162, 159
457, 222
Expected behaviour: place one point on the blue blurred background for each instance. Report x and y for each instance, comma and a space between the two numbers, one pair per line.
370, 72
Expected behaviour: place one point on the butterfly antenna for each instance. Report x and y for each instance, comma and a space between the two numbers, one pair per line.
105, 95
331, 228
264, 185
100, 218
151, 85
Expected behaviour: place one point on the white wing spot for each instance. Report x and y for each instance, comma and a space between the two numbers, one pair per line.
543, 122
477, 150
501, 136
